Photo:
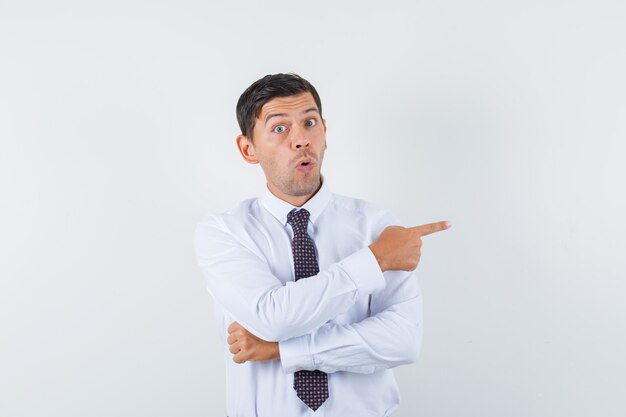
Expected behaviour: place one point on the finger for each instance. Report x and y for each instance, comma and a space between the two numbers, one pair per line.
427, 229
239, 358
233, 326
234, 349
231, 339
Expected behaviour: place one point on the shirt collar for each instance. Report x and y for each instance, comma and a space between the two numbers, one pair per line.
280, 208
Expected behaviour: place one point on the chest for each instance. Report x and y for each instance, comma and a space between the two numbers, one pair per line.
333, 242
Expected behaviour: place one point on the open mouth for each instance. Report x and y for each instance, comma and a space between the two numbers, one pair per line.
305, 162
305, 165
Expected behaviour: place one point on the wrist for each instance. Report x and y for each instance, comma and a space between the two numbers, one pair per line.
276, 353
381, 262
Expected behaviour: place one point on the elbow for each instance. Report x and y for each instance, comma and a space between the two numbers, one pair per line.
273, 332
276, 320
404, 348
269, 330
414, 334
272, 324
417, 343
413, 344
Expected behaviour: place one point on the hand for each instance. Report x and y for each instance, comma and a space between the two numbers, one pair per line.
399, 248
247, 347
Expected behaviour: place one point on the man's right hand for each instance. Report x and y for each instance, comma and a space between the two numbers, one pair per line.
399, 248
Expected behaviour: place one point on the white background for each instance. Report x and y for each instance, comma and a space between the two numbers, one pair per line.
117, 127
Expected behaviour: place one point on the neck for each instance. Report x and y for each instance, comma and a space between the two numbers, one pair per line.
296, 201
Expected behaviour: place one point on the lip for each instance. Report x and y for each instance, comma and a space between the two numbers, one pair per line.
311, 162
305, 168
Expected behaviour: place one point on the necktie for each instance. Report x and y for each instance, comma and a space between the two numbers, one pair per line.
311, 386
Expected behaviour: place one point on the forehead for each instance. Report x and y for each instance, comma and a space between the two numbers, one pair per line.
289, 105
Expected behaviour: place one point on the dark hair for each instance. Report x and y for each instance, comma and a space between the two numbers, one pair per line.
261, 91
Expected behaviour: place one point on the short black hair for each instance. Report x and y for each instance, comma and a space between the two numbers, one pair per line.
261, 91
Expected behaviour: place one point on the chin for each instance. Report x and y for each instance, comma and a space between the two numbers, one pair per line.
304, 190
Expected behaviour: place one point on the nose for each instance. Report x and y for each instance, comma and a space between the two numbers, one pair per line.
300, 139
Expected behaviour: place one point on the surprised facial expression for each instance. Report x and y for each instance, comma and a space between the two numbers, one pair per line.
289, 140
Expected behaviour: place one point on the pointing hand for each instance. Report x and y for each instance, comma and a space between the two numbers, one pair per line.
399, 248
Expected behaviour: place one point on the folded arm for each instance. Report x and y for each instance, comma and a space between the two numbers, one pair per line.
241, 281
390, 337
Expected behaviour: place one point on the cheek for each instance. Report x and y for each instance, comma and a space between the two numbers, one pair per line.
269, 161
323, 145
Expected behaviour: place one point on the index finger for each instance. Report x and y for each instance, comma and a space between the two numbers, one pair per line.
427, 229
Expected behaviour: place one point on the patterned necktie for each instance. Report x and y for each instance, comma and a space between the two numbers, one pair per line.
311, 386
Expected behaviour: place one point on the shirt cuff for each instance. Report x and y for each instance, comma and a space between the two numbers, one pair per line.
363, 269
295, 354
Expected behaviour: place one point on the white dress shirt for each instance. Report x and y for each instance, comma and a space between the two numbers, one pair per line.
351, 320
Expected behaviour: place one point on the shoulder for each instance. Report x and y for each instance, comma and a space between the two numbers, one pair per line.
235, 214
355, 205
228, 222
360, 208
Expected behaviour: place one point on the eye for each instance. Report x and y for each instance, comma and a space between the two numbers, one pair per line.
280, 129
310, 122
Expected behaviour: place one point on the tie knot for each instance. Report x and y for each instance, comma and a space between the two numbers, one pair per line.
298, 219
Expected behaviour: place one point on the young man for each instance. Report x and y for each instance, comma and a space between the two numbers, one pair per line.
314, 296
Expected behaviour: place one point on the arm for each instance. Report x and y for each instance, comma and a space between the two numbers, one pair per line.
241, 281
390, 337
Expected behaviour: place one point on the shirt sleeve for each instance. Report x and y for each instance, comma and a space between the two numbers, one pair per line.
389, 337
384, 340
243, 284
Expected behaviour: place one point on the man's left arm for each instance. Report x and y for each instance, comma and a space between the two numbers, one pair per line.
389, 337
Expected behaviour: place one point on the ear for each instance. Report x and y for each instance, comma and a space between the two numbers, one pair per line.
325, 143
246, 148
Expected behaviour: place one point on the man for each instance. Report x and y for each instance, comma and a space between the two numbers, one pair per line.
314, 296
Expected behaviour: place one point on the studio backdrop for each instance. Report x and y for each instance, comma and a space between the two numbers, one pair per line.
117, 135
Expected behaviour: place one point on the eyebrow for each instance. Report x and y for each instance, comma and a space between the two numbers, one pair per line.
269, 116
